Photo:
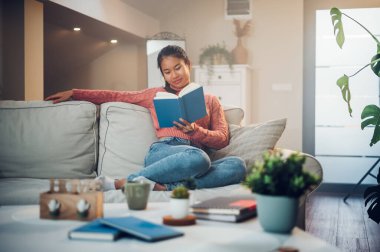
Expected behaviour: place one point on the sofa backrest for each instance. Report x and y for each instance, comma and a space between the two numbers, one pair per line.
44, 140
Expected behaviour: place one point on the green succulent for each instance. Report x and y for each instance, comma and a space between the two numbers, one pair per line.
180, 192
280, 176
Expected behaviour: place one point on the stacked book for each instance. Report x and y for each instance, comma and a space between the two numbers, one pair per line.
229, 209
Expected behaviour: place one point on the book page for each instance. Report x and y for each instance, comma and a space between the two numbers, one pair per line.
165, 95
189, 88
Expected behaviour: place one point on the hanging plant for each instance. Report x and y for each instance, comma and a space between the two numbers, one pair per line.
215, 55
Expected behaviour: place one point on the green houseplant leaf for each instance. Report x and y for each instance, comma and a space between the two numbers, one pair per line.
336, 18
342, 83
371, 116
372, 197
375, 64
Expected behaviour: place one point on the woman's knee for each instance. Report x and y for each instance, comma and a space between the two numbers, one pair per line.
239, 167
199, 160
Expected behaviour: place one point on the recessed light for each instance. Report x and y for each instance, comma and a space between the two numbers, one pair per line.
113, 41
76, 29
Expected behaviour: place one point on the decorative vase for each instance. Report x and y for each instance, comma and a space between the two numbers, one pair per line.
240, 53
277, 213
179, 208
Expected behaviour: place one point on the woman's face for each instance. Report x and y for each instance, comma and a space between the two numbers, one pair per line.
175, 71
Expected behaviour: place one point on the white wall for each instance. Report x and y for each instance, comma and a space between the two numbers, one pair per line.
119, 69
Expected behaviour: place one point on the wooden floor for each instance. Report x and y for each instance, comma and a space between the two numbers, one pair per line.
345, 226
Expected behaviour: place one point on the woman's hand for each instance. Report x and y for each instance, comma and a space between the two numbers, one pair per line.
60, 97
185, 126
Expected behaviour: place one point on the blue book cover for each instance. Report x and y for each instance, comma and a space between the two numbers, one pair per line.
95, 230
189, 105
142, 229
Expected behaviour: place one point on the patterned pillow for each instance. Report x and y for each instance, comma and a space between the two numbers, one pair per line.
250, 142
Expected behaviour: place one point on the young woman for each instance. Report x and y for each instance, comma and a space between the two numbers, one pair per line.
179, 156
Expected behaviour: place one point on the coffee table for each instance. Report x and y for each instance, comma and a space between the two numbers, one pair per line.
22, 230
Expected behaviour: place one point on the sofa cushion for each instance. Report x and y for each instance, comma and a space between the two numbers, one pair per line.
125, 135
44, 140
250, 142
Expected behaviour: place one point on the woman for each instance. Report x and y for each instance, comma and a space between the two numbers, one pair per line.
178, 157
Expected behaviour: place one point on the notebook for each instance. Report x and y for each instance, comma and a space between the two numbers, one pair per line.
142, 229
95, 230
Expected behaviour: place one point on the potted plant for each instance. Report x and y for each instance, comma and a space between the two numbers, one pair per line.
215, 55
278, 182
179, 202
371, 113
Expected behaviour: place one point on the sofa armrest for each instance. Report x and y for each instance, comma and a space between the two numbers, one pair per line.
311, 165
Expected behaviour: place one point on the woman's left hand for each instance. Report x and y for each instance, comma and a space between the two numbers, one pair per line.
185, 126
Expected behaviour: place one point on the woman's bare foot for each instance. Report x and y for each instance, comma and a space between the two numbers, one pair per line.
159, 187
119, 183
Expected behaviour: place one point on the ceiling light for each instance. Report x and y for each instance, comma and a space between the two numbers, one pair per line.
76, 29
113, 41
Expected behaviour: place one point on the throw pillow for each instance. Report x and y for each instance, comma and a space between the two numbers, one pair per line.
250, 142
125, 135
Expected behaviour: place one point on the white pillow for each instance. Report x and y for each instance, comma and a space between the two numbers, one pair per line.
125, 134
43, 140
250, 142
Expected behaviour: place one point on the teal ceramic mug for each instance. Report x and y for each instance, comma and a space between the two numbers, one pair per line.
137, 195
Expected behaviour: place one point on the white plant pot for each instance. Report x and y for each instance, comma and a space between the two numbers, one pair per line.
277, 213
179, 208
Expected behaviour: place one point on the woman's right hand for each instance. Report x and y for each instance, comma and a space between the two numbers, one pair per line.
60, 96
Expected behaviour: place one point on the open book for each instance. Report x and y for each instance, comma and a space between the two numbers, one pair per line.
189, 105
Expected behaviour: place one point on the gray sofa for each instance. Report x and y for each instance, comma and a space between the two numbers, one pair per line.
40, 140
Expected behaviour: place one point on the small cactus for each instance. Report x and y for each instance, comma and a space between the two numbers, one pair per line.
180, 192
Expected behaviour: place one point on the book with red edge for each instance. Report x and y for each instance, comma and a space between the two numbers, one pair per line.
230, 209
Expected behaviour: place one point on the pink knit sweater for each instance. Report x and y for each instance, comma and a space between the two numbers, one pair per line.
210, 131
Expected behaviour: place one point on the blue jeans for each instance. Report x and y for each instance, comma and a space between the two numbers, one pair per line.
174, 161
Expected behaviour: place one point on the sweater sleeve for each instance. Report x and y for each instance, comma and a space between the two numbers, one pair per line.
143, 98
217, 136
